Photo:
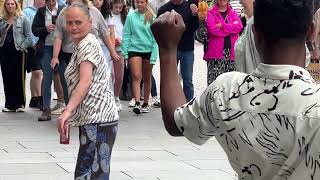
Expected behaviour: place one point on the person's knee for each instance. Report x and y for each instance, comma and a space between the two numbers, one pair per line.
136, 76
36, 74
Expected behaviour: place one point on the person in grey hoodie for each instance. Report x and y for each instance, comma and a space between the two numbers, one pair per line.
245, 49
246, 53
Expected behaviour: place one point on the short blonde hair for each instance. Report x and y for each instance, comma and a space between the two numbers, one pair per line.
4, 14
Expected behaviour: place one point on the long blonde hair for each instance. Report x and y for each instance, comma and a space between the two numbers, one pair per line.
149, 15
4, 14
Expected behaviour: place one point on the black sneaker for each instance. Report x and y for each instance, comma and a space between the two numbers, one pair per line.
34, 102
137, 109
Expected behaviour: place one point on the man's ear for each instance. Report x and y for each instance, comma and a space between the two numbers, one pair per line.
312, 31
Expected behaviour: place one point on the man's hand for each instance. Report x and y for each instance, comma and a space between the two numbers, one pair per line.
54, 62
169, 21
50, 28
194, 9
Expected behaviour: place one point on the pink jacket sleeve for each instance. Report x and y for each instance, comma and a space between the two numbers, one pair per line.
212, 21
233, 27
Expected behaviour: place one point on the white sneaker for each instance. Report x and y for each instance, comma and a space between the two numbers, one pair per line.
132, 103
156, 102
58, 109
21, 109
119, 106
145, 109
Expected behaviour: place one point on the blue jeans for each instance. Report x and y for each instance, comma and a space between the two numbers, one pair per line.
46, 56
186, 59
63, 63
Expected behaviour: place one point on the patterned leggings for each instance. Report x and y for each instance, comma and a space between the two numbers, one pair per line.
218, 66
96, 143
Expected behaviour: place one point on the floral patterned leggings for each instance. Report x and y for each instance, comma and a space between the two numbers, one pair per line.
96, 143
216, 67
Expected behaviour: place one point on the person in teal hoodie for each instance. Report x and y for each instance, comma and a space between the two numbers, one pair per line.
141, 50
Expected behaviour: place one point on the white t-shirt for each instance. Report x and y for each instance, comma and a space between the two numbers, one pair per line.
118, 26
48, 21
110, 21
267, 122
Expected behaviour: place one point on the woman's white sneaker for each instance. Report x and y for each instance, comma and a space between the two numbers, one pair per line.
132, 103
145, 108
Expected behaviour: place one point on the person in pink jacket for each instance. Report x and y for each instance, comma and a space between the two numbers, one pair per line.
224, 26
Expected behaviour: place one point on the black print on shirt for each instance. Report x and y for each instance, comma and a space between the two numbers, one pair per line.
274, 126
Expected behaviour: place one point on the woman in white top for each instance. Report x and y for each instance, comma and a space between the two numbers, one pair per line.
104, 7
91, 106
119, 15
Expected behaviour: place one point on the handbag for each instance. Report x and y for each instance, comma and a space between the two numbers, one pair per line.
201, 35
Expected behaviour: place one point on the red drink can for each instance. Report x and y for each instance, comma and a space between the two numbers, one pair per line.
65, 138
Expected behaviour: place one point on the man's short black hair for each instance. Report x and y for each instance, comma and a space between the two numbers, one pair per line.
283, 19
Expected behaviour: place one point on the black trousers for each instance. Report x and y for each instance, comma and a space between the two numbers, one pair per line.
13, 75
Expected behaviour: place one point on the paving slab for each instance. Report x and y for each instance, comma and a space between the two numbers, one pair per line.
30, 168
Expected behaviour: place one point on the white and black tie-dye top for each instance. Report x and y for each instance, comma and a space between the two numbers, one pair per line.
267, 122
98, 106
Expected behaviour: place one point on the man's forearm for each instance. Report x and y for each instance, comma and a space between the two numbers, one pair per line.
56, 47
171, 93
108, 42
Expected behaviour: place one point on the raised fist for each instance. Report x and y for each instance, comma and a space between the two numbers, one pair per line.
168, 29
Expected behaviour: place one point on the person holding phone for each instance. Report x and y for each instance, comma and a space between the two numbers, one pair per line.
43, 27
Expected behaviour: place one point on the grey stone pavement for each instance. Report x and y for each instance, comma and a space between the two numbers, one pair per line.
30, 150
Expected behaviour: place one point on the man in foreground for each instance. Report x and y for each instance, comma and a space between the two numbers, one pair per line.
267, 122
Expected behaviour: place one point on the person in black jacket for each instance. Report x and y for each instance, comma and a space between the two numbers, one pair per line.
185, 55
43, 26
